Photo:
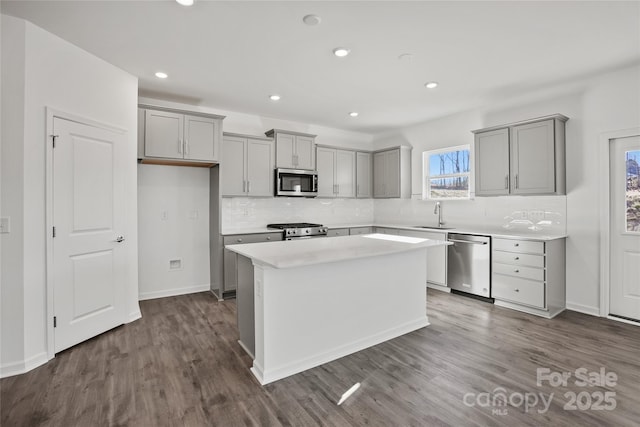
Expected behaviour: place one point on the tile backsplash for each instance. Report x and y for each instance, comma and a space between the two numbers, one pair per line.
532, 214
240, 213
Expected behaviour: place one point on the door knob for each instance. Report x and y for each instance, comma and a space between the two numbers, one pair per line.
120, 239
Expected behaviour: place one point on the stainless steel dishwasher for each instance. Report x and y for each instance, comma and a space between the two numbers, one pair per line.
469, 264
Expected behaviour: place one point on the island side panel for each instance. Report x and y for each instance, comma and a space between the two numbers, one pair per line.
307, 316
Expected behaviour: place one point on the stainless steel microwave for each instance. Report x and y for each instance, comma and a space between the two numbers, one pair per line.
296, 183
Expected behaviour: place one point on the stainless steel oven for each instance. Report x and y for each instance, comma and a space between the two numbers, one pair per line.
296, 183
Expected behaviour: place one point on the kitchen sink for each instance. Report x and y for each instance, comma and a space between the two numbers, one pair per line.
433, 227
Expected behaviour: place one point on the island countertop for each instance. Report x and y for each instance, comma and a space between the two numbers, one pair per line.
303, 252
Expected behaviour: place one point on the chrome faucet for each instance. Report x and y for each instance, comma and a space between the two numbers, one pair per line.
438, 210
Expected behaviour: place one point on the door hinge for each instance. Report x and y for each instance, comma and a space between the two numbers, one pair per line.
53, 138
55, 322
54, 232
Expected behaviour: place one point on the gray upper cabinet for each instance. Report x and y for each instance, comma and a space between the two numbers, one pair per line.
364, 178
294, 150
521, 158
247, 166
392, 173
336, 172
175, 137
492, 163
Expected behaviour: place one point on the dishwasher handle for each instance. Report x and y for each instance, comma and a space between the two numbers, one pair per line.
468, 241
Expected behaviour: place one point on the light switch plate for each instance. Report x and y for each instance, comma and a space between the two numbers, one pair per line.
5, 224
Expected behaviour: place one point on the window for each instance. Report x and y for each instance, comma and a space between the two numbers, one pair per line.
446, 173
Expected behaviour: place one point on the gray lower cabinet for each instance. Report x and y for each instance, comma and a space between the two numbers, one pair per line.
529, 275
436, 256
334, 232
386, 230
354, 231
231, 258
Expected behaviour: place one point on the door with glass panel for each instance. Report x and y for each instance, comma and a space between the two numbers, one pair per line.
624, 298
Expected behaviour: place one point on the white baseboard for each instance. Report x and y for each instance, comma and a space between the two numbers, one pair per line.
586, 309
335, 353
439, 287
22, 366
134, 315
173, 292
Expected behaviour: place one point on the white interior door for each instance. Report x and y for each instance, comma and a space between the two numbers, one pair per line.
624, 298
88, 216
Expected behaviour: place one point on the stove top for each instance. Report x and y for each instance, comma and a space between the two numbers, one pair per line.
300, 230
293, 225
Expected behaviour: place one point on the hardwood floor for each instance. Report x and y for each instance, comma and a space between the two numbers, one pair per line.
180, 365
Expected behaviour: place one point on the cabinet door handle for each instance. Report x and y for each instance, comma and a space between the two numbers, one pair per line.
517, 290
337, 188
179, 146
517, 258
248, 186
506, 182
516, 271
244, 186
517, 185
516, 244
186, 146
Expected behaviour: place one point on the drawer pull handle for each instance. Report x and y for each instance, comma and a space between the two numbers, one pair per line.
517, 258
516, 244
268, 238
517, 290
239, 240
516, 271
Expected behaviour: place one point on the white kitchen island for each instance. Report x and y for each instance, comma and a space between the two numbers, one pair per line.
316, 300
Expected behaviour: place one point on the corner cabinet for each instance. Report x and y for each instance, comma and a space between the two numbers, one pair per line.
521, 158
392, 173
176, 137
294, 150
247, 166
529, 275
336, 172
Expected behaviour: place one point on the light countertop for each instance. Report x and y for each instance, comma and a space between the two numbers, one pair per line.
298, 253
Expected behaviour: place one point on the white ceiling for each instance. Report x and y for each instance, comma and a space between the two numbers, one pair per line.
234, 54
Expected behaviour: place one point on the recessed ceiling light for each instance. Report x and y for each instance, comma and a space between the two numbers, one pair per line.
311, 19
185, 2
353, 114
274, 97
161, 75
431, 85
341, 52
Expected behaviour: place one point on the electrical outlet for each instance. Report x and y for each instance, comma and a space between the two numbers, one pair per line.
175, 264
5, 224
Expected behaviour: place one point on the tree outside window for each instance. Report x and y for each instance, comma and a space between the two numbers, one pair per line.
446, 173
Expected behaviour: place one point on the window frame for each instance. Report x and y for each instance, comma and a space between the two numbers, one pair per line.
427, 177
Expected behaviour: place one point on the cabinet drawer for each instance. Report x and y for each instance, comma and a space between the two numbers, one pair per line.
521, 291
251, 238
338, 232
524, 246
360, 230
518, 259
531, 273
384, 230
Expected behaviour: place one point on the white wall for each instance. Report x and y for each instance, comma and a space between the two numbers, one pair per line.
608, 102
55, 74
173, 223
